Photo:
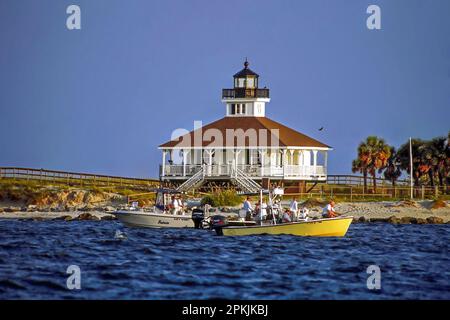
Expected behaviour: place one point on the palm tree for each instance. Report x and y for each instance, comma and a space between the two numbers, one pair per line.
373, 155
431, 158
447, 165
360, 164
441, 163
380, 152
404, 161
427, 160
392, 171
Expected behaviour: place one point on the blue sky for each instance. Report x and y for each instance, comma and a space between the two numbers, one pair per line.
101, 99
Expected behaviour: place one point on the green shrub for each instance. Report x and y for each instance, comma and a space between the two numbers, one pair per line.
224, 198
208, 199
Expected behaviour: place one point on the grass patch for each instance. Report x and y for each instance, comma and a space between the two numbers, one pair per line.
64, 184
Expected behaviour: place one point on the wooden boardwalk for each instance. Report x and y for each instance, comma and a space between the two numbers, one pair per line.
74, 178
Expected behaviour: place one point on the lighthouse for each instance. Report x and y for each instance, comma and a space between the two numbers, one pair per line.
246, 98
244, 149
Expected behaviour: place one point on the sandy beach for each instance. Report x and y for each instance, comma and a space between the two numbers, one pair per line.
383, 210
420, 212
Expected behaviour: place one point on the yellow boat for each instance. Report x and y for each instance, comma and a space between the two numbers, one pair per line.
330, 227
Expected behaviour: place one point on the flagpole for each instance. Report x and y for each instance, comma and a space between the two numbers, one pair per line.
411, 167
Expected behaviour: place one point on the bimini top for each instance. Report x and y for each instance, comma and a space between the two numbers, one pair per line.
244, 132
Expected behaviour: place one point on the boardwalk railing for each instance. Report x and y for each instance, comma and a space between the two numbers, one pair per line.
343, 186
74, 178
357, 192
359, 180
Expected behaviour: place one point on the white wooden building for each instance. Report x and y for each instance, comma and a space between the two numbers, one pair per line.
245, 147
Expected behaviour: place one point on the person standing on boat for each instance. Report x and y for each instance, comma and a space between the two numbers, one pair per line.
180, 205
294, 209
248, 209
175, 205
328, 211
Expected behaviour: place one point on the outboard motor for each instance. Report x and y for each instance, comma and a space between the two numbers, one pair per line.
198, 215
217, 222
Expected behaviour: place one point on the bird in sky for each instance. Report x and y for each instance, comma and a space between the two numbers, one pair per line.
321, 128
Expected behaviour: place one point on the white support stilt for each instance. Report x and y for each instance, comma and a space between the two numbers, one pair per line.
236, 157
262, 153
306, 164
273, 160
315, 162
210, 156
299, 162
163, 173
291, 162
185, 156
183, 161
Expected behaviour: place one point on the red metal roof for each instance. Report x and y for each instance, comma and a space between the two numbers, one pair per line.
248, 132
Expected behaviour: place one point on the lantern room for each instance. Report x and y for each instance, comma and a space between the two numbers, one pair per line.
246, 78
246, 84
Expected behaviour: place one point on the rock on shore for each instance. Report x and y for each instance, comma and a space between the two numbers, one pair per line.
45, 199
61, 216
403, 220
48, 203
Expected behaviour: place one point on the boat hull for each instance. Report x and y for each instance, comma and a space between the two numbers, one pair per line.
154, 220
334, 227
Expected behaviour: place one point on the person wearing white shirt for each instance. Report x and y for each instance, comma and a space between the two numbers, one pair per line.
328, 211
175, 205
304, 212
294, 208
180, 206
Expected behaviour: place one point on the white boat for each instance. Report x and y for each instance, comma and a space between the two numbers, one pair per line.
161, 215
141, 218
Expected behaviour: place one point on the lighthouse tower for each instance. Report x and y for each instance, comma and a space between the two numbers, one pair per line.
246, 98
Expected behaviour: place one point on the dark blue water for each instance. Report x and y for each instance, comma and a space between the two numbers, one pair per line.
195, 264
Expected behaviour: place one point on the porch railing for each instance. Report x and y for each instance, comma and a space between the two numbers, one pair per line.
218, 170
